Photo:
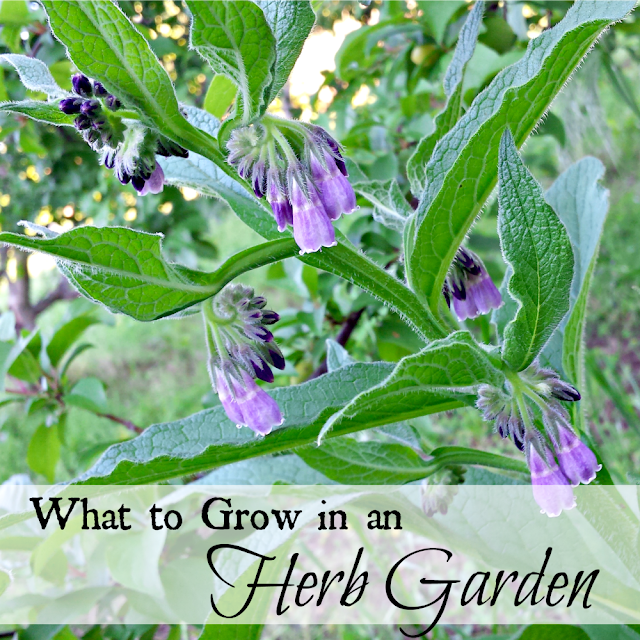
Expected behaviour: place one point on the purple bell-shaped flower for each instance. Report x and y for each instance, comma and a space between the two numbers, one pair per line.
312, 228
551, 489
577, 461
336, 192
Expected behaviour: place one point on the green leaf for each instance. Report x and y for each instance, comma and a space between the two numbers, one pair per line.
442, 376
44, 451
22, 362
463, 170
67, 334
390, 206
582, 205
291, 23
47, 112
438, 14
350, 462
554, 632
88, 394
537, 247
104, 45
235, 39
231, 631
208, 440
220, 94
416, 166
267, 470
34, 74
124, 269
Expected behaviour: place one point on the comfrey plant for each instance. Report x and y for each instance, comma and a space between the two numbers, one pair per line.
522, 366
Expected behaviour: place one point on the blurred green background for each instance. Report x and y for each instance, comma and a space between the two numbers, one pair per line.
373, 76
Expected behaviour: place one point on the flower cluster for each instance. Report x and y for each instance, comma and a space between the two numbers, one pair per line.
470, 287
300, 170
241, 348
127, 147
528, 410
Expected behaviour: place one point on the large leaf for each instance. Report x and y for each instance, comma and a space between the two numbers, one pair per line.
235, 39
582, 205
44, 451
417, 164
537, 247
41, 111
104, 44
67, 334
34, 74
348, 461
208, 440
463, 169
124, 269
267, 470
291, 23
440, 377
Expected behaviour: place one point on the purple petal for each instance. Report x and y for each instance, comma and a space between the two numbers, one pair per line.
312, 228
336, 192
155, 183
259, 410
465, 308
576, 460
484, 293
228, 401
551, 489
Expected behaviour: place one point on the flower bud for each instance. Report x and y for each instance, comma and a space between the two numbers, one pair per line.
99, 90
312, 228
90, 107
70, 105
112, 103
82, 122
82, 85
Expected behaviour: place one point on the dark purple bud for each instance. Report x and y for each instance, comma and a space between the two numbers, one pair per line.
270, 317
113, 103
447, 295
70, 105
138, 182
91, 136
90, 107
467, 262
99, 90
277, 359
110, 160
99, 123
259, 302
564, 391
263, 334
82, 122
517, 441
259, 187
125, 178
82, 85
263, 371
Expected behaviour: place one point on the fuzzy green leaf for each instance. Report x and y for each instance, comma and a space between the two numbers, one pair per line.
390, 206
440, 377
291, 23
125, 271
208, 440
34, 74
235, 39
47, 112
537, 247
446, 119
463, 169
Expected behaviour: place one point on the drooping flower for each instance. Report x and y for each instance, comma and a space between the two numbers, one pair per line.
528, 410
300, 169
470, 287
128, 148
551, 489
242, 348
